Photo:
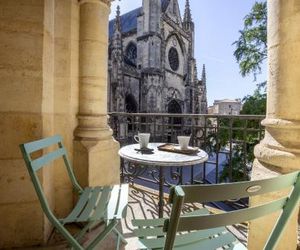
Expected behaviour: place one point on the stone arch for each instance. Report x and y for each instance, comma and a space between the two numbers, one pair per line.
174, 107
179, 39
174, 93
131, 105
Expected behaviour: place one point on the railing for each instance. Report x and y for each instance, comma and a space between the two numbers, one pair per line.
229, 140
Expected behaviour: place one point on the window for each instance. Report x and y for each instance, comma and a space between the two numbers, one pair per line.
174, 108
173, 59
131, 54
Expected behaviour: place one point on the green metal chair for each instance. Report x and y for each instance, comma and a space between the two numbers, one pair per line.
95, 204
202, 230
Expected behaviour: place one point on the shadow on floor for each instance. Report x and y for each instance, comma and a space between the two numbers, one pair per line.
142, 205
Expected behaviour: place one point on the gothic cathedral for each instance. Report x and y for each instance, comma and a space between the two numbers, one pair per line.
152, 68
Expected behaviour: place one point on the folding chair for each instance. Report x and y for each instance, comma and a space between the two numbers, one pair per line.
202, 230
95, 204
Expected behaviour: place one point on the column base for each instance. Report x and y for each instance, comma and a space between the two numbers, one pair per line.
280, 148
97, 163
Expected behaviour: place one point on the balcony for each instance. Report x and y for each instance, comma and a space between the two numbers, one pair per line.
229, 141
53, 70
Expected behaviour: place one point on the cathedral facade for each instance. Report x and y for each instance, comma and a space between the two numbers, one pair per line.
152, 68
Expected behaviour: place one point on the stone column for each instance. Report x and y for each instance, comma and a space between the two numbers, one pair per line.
96, 160
279, 152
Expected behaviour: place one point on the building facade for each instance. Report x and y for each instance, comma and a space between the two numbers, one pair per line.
152, 67
226, 107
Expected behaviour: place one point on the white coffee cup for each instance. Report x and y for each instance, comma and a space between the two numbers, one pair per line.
142, 139
183, 141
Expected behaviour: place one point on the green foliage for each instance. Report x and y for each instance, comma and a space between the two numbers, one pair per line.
243, 141
236, 133
251, 47
255, 104
250, 53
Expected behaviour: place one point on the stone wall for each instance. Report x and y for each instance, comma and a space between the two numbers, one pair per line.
25, 113
66, 91
38, 98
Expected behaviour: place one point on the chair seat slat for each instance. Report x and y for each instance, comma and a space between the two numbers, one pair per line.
102, 204
79, 206
201, 211
112, 205
147, 232
43, 143
123, 200
229, 218
156, 229
189, 238
213, 243
44, 160
148, 223
90, 206
228, 191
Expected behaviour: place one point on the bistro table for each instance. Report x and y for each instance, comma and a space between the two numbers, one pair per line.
160, 159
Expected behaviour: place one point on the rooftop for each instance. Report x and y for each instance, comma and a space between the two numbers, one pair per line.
129, 19
228, 100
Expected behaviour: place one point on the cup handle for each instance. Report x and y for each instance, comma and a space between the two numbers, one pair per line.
136, 138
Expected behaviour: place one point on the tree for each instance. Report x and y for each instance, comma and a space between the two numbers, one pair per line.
250, 54
255, 104
251, 47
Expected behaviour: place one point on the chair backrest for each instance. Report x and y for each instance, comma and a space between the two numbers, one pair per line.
221, 192
33, 165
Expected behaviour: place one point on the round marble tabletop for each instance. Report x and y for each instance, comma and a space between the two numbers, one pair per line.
160, 158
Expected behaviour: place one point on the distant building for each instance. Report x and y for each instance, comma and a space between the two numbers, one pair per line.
226, 107
152, 68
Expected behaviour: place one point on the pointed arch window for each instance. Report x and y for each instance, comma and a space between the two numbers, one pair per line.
175, 108
131, 54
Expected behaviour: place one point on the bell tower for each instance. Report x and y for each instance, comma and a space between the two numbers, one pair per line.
149, 61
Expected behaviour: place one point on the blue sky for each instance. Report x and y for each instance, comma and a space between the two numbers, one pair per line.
217, 25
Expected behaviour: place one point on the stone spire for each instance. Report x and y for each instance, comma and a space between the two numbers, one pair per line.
195, 74
116, 65
189, 26
188, 23
187, 13
204, 106
203, 75
118, 18
117, 35
196, 90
